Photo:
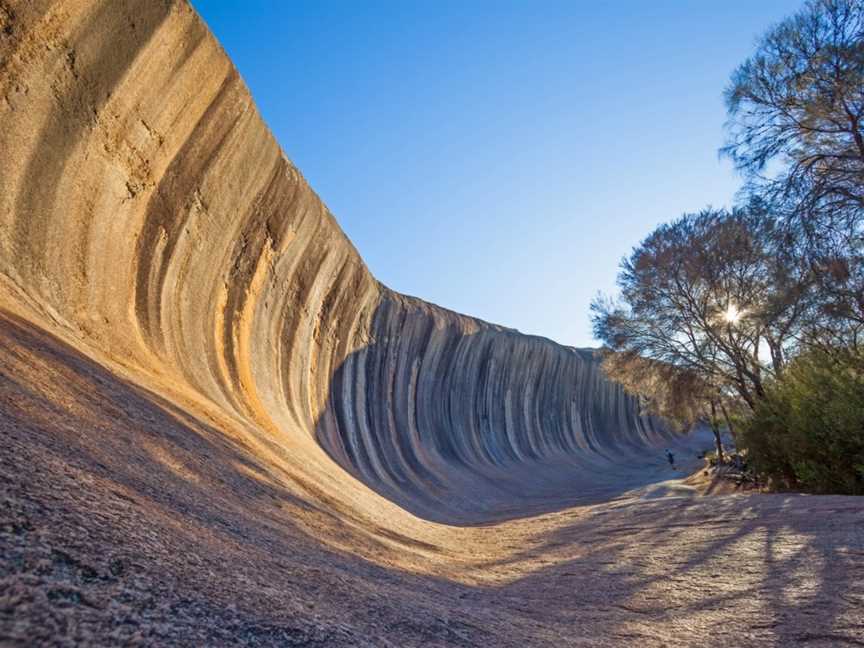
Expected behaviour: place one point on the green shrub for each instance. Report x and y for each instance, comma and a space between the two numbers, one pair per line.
808, 433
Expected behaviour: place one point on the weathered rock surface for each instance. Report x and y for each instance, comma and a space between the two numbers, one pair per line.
219, 428
147, 210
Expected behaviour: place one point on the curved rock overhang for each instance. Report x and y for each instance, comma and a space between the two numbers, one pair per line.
147, 212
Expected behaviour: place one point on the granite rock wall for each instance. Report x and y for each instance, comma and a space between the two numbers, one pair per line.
147, 212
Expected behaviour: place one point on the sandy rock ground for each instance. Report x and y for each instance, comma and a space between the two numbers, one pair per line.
107, 538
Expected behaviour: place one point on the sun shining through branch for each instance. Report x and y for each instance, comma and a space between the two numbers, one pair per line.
732, 314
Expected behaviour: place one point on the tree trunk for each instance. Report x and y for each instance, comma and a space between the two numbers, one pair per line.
716, 430
728, 422
777, 359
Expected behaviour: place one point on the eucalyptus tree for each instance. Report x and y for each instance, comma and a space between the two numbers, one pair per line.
715, 298
796, 130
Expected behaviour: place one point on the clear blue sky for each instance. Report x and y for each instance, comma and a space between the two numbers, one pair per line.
499, 158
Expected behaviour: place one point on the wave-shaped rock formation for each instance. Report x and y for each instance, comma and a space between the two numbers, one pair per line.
456, 419
147, 211
217, 428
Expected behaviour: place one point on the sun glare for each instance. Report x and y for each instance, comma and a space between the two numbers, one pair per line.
732, 315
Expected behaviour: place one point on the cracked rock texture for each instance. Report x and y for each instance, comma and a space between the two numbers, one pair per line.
218, 428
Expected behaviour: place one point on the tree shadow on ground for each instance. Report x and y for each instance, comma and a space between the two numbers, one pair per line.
735, 570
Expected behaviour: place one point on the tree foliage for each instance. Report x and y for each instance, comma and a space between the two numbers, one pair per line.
677, 394
714, 294
681, 396
799, 101
759, 311
809, 432
796, 129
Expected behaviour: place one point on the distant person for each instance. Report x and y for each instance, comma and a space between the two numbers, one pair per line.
670, 457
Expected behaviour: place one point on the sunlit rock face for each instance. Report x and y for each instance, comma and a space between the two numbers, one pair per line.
147, 213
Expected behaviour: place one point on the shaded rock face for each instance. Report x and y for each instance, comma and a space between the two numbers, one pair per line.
456, 419
147, 213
